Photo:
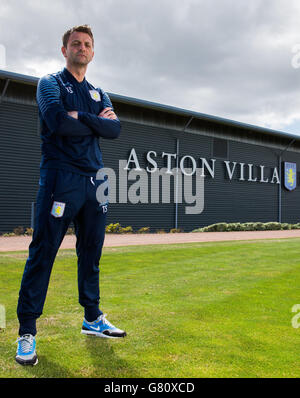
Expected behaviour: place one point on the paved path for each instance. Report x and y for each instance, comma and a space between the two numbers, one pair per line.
14, 243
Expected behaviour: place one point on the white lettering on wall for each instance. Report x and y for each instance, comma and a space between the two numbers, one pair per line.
230, 171
133, 159
233, 170
206, 165
169, 161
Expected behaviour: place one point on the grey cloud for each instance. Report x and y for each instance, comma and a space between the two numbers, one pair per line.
223, 57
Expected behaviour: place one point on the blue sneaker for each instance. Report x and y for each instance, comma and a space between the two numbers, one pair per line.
102, 328
26, 354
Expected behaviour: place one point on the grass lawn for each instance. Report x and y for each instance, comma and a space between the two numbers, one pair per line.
190, 310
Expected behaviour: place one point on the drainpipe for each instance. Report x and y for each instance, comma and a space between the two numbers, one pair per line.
4, 89
177, 171
279, 185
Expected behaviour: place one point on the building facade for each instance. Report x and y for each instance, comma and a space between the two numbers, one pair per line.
170, 168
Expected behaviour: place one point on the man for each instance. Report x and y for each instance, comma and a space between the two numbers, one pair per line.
73, 115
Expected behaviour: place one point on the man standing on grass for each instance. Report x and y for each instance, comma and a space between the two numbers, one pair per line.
73, 115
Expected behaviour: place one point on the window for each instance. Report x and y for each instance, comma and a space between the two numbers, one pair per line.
220, 148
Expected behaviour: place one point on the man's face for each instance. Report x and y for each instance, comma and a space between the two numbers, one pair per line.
79, 49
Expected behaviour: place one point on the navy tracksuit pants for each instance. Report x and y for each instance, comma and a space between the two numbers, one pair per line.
63, 197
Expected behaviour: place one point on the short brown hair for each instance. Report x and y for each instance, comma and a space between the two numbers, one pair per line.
79, 28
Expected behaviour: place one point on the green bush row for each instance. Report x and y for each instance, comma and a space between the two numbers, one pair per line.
247, 226
118, 229
110, 229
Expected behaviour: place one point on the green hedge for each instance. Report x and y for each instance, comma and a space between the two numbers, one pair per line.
116, 228
247, 226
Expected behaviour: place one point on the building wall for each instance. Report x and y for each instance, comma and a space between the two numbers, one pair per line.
224, 199
19, 163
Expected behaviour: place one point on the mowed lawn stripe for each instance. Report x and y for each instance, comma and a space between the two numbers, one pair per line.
190, 310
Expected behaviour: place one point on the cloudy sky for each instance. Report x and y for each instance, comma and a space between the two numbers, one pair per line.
234, 59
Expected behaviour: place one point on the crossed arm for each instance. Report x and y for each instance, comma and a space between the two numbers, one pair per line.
74, 123
106, 124
108, 113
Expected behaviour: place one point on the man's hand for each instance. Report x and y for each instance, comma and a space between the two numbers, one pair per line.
73, 114
107, 113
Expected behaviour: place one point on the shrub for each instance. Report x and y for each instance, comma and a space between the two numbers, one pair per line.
18, 230
218, 227
126, 230
113, 228
143, 230
175, 230
286, 226
118, 229
209, 228
272, 226
229, 227
259, 226
248, 226
221, 227
29, 231
160, 231
234, 226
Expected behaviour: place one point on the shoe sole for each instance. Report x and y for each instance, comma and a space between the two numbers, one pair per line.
98, 334
32, 362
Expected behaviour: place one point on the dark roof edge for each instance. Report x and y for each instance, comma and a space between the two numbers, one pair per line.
32, 80
18, 77
198, 115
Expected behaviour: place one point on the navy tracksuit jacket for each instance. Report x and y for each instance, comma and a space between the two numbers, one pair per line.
71, 157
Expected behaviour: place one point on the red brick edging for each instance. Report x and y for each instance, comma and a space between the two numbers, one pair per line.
14, 243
